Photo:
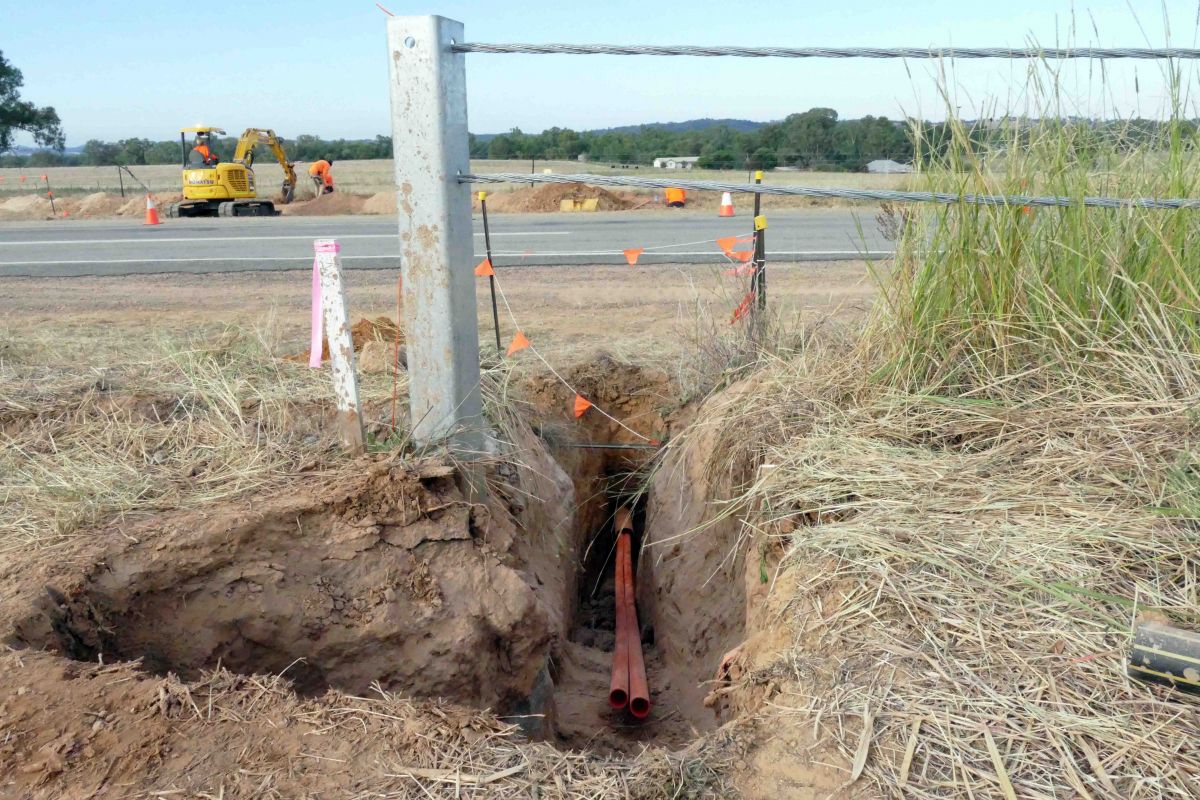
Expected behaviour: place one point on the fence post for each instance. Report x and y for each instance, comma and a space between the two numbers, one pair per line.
429, 142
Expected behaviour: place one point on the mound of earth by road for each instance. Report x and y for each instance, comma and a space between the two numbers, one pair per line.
549, 198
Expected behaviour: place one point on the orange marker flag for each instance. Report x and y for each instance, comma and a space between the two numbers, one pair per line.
24, 178
631, 255
484, 270
742, 309
581, 405
519, 343
740, 272
726, 243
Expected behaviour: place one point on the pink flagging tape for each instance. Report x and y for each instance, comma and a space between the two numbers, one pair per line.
327, 246
316, 346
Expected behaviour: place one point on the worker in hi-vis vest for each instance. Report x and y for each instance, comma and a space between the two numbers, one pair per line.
322, 175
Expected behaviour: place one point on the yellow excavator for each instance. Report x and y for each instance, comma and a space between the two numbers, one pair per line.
214, 188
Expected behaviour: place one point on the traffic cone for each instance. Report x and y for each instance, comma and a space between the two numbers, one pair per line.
151, 212
726, 205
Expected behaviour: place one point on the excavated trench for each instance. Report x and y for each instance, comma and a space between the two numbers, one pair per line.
391, 576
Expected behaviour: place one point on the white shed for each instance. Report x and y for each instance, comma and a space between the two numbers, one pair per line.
676, 162
887, 166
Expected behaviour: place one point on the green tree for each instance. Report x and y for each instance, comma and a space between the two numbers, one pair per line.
764, 158
100, 154
133, 151
19, 115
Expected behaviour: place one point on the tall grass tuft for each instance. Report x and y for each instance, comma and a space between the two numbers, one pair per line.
996, 289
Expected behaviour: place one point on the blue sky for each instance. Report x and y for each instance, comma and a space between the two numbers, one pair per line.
122, 69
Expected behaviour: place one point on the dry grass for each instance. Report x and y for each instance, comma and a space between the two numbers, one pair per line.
369, 177
183, 419
966, 569
380, 746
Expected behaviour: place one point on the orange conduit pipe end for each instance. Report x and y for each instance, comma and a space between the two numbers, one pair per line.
639, 690
618, 687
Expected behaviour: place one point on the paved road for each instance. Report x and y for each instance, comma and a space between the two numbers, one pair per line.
124, 247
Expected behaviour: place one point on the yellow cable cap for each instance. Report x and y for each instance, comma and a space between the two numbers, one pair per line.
758, 175
760, 222
483, 195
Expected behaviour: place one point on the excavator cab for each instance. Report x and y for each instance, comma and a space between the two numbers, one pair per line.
215, 188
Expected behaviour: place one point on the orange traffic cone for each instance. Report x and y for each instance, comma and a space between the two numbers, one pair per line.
151, 212
726, 205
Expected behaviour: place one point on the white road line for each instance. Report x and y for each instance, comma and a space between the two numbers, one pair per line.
69, 242
770, 254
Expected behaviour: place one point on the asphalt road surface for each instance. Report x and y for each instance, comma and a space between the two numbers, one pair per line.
126, 247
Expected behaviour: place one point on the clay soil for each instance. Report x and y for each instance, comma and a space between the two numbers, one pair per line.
375, 627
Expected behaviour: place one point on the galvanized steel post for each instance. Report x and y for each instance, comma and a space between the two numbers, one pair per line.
429, 142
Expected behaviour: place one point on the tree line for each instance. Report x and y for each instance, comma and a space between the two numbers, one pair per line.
813, 140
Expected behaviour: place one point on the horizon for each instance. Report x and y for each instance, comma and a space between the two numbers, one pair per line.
321, 65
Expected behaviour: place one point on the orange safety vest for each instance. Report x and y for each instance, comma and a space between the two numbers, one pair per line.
206, 155
676, 196
322, 169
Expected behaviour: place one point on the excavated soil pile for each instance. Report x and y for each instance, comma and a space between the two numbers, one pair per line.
385, 576
100, 204
373, 340
380, 203
327, 205
549, 198
26, 206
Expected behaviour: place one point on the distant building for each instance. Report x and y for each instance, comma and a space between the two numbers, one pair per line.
887, 166
676, 162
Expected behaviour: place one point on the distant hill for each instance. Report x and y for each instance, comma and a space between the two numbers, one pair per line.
26, 150
741, 125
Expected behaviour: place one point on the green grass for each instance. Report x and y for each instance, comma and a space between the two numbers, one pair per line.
993, 290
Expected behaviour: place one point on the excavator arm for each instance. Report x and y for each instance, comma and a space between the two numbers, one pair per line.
264, 136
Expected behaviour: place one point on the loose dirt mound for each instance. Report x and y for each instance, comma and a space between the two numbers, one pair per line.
549, 198
327, 205
385, 576
100, 204
26, 206
136, 206
380, 203
362, 333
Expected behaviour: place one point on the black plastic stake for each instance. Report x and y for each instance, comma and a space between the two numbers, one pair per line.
121, 178
758, 280
50, 194
487, 243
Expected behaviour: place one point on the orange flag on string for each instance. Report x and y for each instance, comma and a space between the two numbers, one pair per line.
519, 343
581, 405
23, 178
740, 272
743, 308
484, 270
631, 255
726, 243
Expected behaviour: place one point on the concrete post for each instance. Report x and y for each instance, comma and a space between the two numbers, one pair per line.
429, 141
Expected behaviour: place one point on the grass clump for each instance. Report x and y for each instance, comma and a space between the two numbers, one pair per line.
1000, 287
976, 503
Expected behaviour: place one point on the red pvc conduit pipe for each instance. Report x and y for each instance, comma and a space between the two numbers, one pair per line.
639, 690
618, 687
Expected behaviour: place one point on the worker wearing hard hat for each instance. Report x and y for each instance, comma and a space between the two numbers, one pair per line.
321, 173
202, 154
676, 198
